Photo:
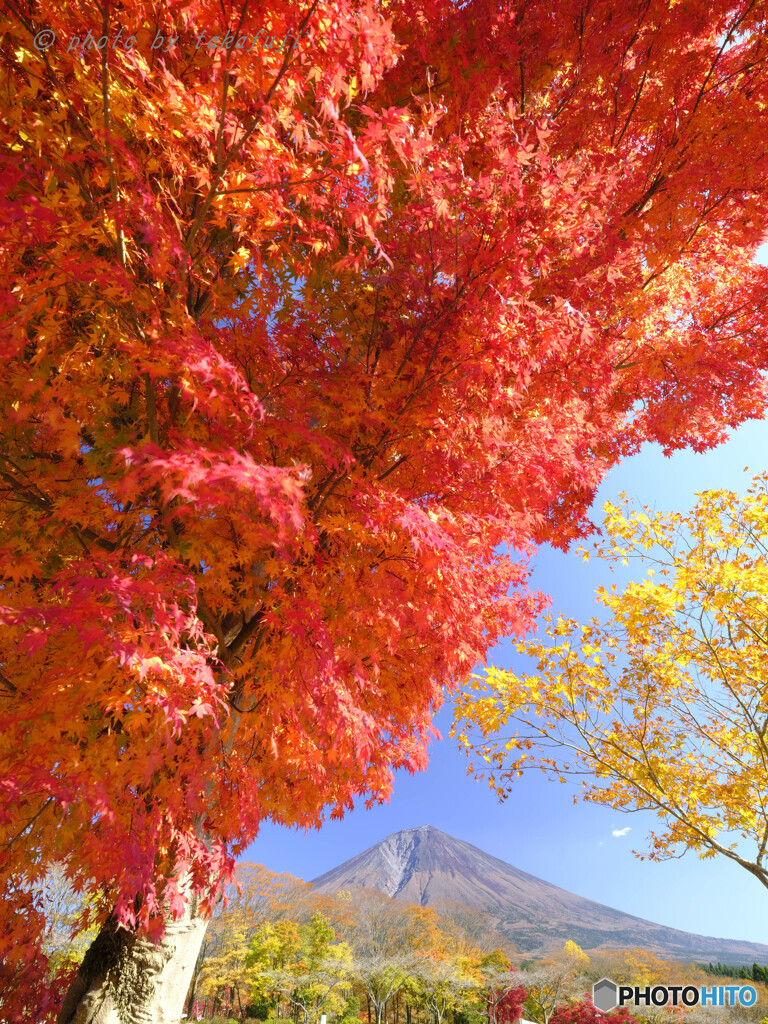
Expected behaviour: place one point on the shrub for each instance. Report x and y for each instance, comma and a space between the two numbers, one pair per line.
351, 1009
469, 1015
258, 1009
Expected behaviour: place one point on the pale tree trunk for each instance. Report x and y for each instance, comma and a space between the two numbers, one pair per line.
192, 993
128, 980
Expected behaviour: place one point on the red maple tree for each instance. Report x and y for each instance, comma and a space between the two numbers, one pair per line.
509, 1008
586, 1013
298, 332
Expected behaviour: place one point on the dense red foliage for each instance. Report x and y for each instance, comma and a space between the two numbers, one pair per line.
586, 1013
509, 1009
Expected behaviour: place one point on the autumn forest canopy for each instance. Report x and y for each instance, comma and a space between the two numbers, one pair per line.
305, 349
281, 951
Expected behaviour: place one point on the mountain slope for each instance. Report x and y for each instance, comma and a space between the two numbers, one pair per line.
427, 866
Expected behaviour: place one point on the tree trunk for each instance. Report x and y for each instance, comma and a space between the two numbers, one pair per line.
128, 980
196, 977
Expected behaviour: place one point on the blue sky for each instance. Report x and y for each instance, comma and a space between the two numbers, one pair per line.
539, 829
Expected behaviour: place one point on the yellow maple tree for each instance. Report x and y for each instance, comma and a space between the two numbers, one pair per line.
664, 706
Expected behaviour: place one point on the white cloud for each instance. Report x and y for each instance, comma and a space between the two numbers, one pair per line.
621, 831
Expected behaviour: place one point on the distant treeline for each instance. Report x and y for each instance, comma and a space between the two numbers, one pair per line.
753, 973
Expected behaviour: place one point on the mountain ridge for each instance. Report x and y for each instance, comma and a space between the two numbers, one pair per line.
429, 867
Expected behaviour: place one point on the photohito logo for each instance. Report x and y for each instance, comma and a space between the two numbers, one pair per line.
606, 995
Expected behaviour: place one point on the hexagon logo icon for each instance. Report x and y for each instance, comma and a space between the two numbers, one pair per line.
605, 994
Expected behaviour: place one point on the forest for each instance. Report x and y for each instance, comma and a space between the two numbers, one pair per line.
278, 951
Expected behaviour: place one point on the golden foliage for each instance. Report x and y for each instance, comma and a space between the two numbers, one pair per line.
664, 706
